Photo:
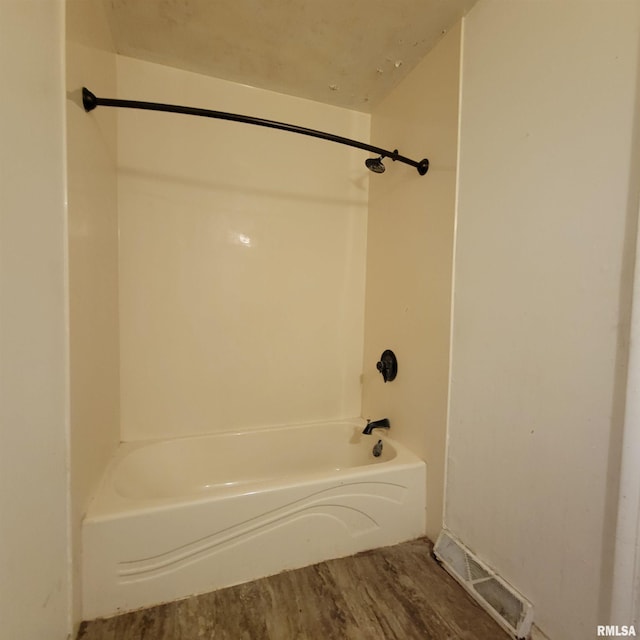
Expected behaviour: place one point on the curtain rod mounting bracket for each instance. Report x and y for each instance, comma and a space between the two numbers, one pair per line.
89, 100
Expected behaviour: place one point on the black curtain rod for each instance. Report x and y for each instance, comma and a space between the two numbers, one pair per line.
91, 101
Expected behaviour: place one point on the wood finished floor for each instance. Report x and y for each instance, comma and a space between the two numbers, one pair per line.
397, 592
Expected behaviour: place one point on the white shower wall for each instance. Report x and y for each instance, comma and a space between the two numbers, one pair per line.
92, 225
411, 224
242, 259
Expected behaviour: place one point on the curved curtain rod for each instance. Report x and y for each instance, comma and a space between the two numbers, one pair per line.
90, 101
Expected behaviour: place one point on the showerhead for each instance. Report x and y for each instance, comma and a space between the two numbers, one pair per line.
375, 164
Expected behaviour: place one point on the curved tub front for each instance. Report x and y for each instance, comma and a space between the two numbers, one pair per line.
191, 515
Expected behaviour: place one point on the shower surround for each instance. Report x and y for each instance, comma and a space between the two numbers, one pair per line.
241, 308
241, 268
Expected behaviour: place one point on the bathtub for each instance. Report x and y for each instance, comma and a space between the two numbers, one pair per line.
178, 517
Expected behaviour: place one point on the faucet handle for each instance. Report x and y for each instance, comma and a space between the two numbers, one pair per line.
388, 365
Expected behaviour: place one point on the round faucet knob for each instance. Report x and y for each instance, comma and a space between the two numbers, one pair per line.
388, 365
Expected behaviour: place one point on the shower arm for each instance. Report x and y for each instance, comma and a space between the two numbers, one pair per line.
90, 101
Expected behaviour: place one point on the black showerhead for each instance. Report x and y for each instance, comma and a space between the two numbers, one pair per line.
375, 164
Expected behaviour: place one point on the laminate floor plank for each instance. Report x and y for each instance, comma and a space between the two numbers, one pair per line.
394, 593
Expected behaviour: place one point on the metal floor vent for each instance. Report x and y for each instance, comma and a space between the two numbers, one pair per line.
505, 605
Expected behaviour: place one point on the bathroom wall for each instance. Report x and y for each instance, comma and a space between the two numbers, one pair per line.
93, 260
34, 579
547, 209
409, 262
242, 259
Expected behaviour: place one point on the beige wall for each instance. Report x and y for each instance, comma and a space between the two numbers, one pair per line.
548, 185
93, 260
34, 580
409, 262
241, 259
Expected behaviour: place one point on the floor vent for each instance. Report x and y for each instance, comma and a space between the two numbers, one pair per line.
505, 605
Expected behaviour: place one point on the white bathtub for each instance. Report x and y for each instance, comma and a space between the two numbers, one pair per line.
178, 517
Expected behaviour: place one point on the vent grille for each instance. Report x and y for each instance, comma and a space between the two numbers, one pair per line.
505, 605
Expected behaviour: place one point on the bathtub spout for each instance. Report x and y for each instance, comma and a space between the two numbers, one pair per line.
376, 424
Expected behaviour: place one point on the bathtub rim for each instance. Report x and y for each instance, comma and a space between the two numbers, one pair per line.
106, 503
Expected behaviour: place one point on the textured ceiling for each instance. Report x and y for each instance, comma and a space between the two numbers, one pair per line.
349, 53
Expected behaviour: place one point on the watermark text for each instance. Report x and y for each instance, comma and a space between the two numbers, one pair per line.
616, 631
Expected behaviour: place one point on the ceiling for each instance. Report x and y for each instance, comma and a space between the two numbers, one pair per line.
349, 53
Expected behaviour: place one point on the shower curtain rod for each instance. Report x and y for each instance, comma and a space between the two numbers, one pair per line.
90, 101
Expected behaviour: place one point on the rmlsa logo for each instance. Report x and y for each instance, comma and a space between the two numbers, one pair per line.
617, 631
